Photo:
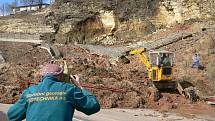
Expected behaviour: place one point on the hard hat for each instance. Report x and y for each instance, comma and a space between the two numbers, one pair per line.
51, 69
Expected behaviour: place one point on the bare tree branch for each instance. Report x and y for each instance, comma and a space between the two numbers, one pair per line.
2, 9
6, 9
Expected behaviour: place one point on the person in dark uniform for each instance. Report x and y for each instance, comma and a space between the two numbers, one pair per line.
53, 99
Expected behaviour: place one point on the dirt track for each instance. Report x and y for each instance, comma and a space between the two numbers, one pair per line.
123, 115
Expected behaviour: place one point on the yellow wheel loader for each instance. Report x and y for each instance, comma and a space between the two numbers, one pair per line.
160, 67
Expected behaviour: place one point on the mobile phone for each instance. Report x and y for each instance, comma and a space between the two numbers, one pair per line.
72, 77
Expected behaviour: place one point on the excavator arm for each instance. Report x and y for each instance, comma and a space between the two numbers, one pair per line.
143, 57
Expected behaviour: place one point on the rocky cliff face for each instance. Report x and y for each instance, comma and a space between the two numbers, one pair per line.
106, 21
179, 11
25, 23
117, 21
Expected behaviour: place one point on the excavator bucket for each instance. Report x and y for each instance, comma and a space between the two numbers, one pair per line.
187, 90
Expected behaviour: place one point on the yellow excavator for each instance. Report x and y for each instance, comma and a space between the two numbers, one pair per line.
160, 67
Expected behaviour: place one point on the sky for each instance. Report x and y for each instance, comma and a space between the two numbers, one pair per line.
10, 1
6, 1
3, 2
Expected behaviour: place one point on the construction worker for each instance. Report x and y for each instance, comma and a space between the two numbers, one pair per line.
195, 61
165, 60
53, 99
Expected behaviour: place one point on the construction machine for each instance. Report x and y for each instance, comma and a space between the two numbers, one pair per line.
159, 64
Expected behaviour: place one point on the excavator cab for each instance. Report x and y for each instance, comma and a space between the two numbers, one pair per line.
161, 65
161, 73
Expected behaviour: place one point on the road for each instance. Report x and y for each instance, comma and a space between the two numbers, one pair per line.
21, 40
119, 115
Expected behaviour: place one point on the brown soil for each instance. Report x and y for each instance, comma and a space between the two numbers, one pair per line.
121, 85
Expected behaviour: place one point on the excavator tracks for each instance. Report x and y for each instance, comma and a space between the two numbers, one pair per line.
182, 87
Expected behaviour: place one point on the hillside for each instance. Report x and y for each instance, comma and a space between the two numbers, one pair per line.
91, 36
118, 21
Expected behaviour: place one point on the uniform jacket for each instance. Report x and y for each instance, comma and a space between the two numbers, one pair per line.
196, 59
52, 100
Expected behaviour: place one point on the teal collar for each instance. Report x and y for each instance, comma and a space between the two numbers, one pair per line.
49, 78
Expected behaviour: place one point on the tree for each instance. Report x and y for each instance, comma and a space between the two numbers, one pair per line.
15, 3
12, 6
51, 1
40, 2
2, 9
6, 9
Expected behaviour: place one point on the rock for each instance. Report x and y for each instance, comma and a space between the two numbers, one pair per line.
207, 44
154, 94
4, 67
124, 60
172, 12
2, 60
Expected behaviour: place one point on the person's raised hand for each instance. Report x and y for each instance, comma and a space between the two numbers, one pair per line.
75, 79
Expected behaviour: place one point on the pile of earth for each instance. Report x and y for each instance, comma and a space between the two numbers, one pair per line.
113, 87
